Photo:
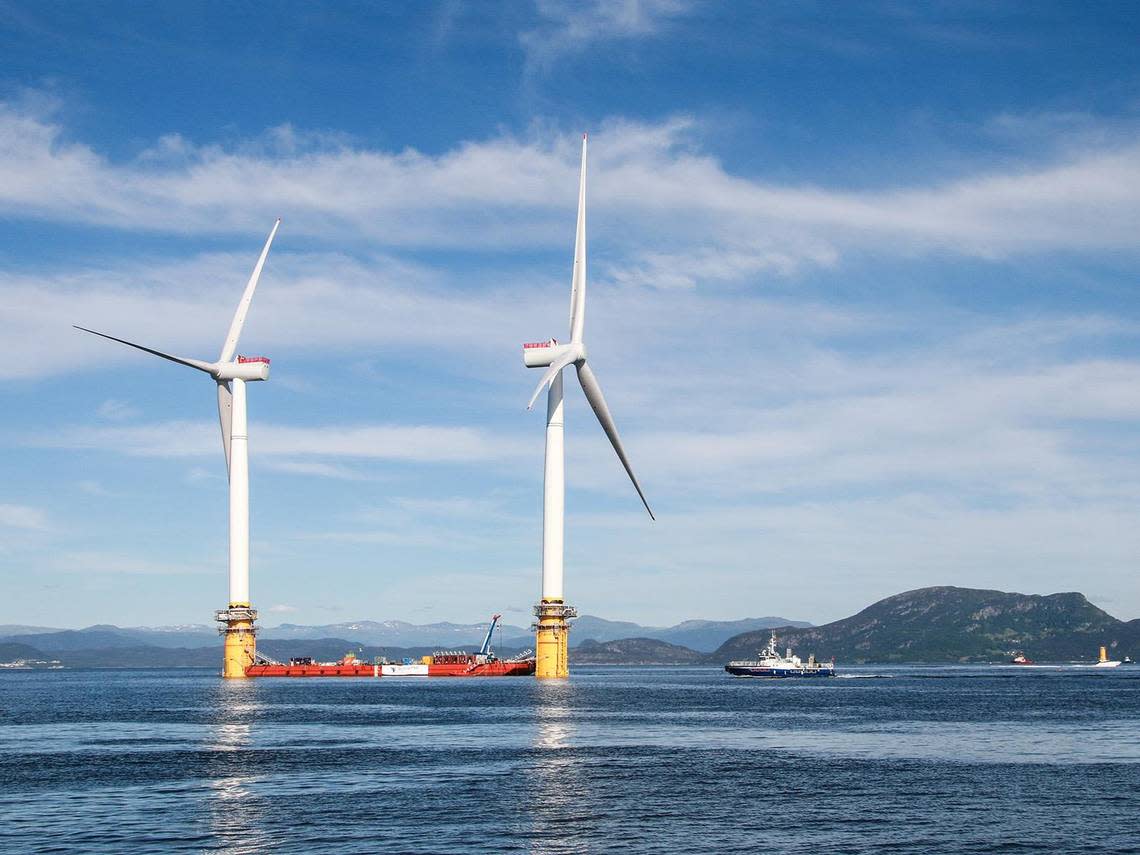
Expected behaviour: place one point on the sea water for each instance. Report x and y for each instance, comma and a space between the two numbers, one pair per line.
916, 760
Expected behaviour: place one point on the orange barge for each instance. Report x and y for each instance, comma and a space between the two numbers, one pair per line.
451, 663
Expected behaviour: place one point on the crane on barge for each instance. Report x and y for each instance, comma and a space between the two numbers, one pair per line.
486, 648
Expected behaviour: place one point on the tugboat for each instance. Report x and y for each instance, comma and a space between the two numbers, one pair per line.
1020, 658
772, 664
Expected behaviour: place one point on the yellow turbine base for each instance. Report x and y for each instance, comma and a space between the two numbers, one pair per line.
240, 645
552, 635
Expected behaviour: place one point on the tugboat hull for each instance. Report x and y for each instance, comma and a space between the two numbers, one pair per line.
778, 673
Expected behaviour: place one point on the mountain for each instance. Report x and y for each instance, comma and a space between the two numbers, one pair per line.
152, 656
401, 633
708, 635
703, 635
331, 649
949, 624
942, 624
12, 629
58, 641
632, 651
191, 635
11, 651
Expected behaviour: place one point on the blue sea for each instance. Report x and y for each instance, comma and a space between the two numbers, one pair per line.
676, 760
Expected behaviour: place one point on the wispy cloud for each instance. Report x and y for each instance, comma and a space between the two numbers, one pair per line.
198, 475
116, 563
115, 410
185, 306
673, 201
93, 488
381, 442
321, 470
23, 517
566, 27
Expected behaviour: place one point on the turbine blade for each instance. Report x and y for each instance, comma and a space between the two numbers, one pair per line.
598, 404
181, 360
229, 347
578, 280
551, 372
225, 416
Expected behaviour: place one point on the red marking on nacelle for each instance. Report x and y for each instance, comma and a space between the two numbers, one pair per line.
264, 359
531, 344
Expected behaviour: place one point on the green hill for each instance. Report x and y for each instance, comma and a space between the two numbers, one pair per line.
632, 651
948, 624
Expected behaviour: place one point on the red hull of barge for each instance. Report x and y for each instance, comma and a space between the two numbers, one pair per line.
354, 670
487, 669
359, 669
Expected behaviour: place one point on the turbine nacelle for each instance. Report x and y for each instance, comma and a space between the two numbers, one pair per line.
541, 354
247, 368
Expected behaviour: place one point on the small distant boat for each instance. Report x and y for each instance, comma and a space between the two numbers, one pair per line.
1020, 659
771, 664
1127, 660
1105, 662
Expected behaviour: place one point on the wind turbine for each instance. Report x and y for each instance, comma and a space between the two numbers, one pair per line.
231, 374
552, 612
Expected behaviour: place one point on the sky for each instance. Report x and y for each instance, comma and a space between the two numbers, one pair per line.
862, 298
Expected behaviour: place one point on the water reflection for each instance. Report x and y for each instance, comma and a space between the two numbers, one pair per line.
559, 820
238, 817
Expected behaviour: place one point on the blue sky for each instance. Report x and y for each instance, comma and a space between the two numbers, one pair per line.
863, 299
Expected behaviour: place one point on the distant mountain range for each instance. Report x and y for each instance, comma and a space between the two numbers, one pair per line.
701, 635
937, 625
104, 645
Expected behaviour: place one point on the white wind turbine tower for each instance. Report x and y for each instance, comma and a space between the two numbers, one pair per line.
552, 612
231, 376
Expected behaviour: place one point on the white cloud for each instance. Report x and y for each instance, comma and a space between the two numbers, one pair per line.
322, 470
116, 563
93, 488
381, 442
654, 196
448, 507
568, 27
197, 475
185, 308
23, 517
116, 411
